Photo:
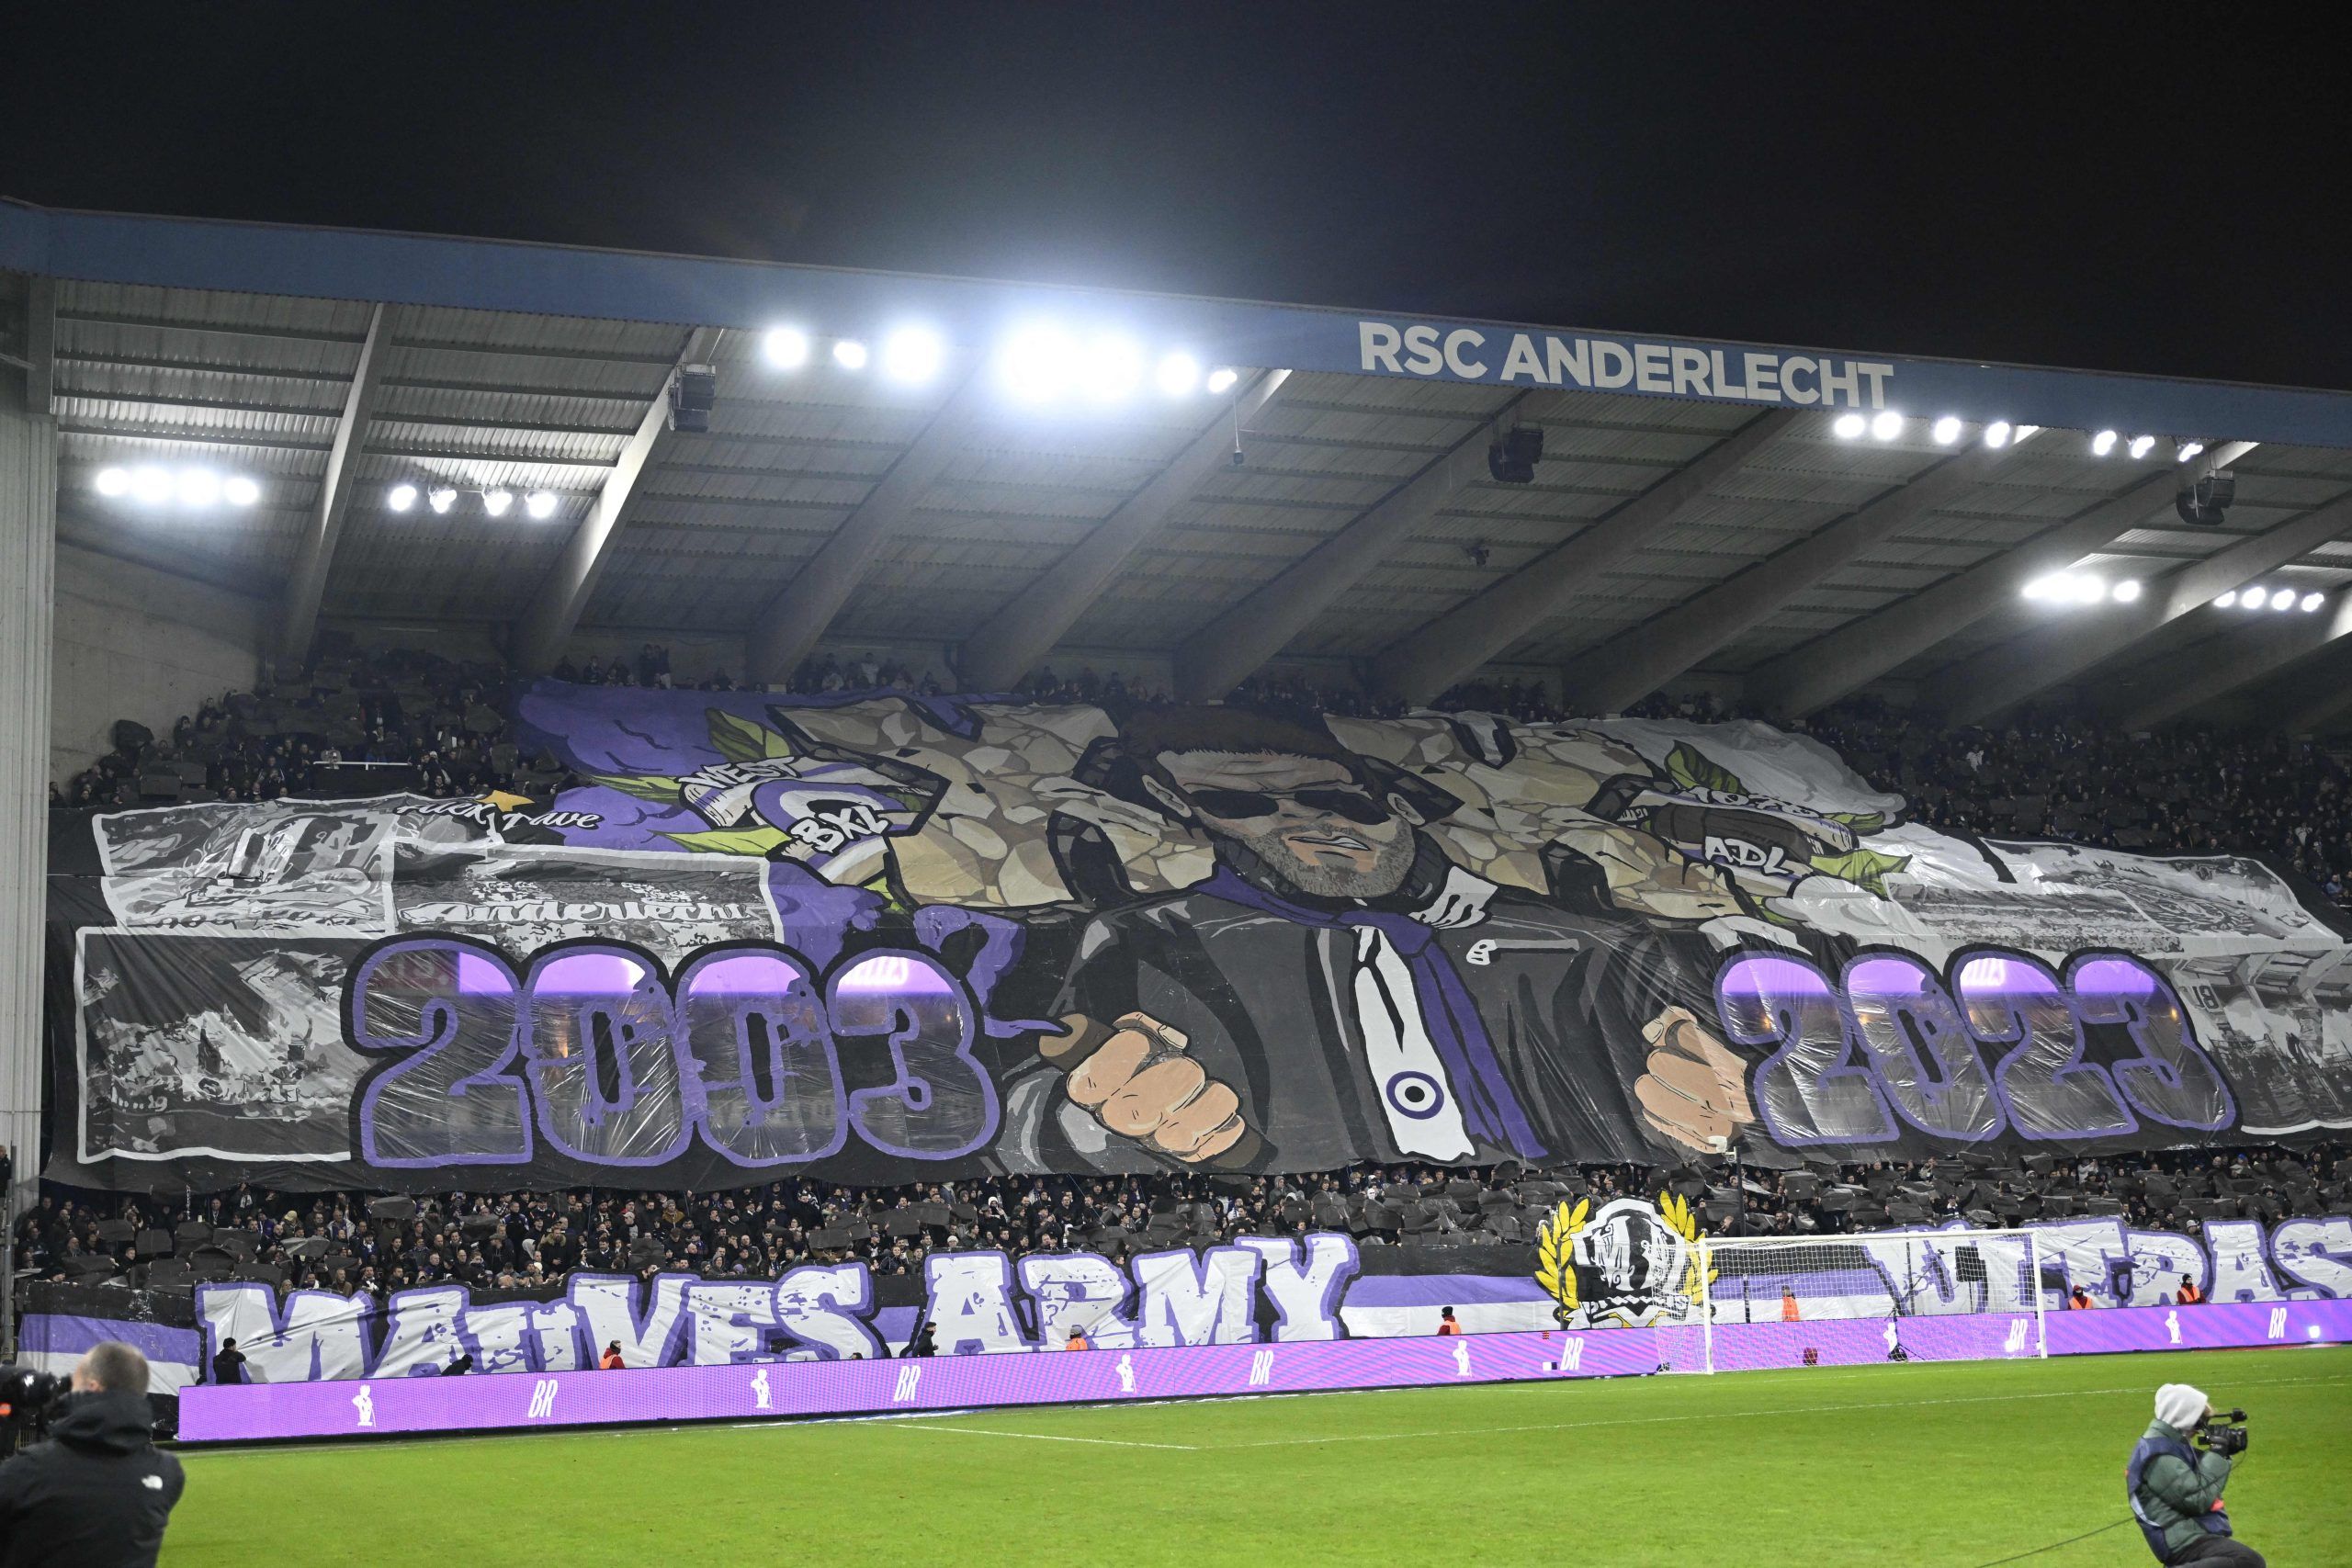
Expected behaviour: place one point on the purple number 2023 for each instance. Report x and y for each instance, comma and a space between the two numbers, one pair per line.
597, 1054
1891, 1041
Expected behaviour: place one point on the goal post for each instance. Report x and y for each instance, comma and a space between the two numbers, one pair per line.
1838, 1301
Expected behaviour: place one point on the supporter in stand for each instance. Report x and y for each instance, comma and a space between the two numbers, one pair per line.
532, 1240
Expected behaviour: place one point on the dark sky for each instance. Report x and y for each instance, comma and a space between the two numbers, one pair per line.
2146, 188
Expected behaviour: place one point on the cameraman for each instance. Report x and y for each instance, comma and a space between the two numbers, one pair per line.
2176, 1491
98, 1492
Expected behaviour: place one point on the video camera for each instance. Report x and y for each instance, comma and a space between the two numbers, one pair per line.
28, 1400
2224, 1432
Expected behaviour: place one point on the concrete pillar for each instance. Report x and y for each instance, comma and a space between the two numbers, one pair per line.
28, 569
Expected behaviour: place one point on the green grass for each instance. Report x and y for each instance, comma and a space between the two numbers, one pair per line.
1956, 1464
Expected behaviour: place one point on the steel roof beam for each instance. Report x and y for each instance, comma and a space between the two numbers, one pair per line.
792, 624
1221, 655
2213, 669
547, 623
1993, 682
223, 329
1817, 673
194, 437
41, 344
1637, 661
306, 585
1426, 662
1017, 638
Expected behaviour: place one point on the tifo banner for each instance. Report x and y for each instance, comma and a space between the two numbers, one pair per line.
892, 938
1628, 1265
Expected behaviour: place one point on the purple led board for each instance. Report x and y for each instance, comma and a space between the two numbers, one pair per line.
754, 1391
749, 1391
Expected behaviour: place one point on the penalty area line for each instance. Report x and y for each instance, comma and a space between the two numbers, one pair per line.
1716, 1415
919, 1425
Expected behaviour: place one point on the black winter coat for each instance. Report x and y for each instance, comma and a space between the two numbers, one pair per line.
96, 1495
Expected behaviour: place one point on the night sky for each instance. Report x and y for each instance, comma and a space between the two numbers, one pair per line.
2145, 188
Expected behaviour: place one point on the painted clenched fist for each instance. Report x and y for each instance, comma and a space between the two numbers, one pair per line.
1135, 1078
1692, 1090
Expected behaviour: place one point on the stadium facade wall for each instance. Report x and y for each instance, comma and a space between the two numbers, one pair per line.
133, 641
27, 556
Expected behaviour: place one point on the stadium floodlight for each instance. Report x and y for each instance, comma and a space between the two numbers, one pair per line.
850, 354
1221, 380
441, 497
1997, 434
913, 355
1113, 367
2125, 592
2103, 443
2226, 600
2040, 588
199, 486
2142, 446
1178, 375
113, 481
540, 505
786, 348
496, 501
151, 485
2187, 450
400, 497
1848, 426
2313, 602
1947, 431
2252, 598
240, 491
2284, 599
2089, 590
1886, 425
1038, 363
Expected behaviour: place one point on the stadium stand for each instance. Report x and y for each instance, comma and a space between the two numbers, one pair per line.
405, 720
347, 1243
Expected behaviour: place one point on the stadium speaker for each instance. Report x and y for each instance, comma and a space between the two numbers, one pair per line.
1512, 459
694, 392
2204, 502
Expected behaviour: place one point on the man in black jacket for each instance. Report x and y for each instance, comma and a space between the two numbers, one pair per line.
98, 1492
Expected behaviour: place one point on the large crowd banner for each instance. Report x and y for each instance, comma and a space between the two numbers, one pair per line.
1627, 1263
879, 939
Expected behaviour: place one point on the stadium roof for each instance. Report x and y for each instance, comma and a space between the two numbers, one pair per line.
1698, 506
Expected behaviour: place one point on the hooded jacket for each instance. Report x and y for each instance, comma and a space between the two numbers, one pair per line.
96, 1495
2175, 1491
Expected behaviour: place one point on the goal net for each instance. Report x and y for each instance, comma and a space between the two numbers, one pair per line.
1822, 1301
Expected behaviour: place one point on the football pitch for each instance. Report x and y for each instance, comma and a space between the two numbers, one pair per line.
1937, 1466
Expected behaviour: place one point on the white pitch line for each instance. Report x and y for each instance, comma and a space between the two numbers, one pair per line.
919, 1426
1724, 1415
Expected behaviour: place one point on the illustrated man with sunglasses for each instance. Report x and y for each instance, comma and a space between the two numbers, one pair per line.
1338, 989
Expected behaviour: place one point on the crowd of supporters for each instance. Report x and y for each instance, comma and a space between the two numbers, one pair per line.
442, 725
346, 1242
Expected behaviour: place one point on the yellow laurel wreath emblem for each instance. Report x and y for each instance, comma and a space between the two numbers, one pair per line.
1555, 1241
1675, 1210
